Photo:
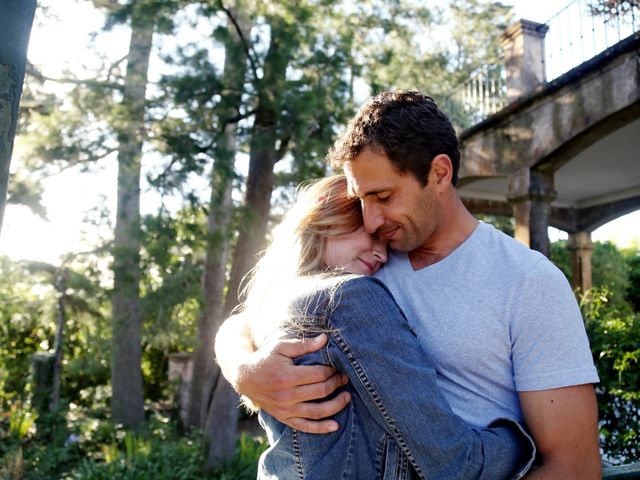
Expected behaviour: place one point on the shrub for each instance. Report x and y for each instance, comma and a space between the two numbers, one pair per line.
615, 344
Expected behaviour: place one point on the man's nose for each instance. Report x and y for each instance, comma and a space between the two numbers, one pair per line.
373, 218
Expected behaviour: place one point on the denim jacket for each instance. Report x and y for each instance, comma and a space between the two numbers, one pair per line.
397, 425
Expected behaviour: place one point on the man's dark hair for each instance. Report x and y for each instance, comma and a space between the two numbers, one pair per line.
409, 128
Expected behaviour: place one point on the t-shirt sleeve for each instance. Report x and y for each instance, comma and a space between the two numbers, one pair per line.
550, 347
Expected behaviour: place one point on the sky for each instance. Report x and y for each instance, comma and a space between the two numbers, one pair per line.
70, 198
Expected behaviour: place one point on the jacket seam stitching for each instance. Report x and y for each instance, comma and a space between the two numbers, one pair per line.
374, 396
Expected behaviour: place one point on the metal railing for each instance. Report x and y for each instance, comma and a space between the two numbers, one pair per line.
585, 28
483, 94
577, 33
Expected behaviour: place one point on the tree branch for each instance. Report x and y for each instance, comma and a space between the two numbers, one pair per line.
71, 165
282, 149
34, 72
245, 44
236, 119
116, 63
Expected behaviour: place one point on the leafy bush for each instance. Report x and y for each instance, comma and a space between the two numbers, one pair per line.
633, 291
140, 458
559, 255
615, 343
611, 268
612, 320
23, 330
503, 223
244, 465
91, 448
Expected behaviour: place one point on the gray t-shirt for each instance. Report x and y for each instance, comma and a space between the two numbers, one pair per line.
498, 318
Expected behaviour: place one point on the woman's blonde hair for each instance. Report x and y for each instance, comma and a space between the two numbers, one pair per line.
323, 209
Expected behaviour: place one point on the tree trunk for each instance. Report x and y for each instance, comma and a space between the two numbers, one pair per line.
215, 407
262, 158
213, 281
218, 232
60, 283
222, 414
42, 365
127, 403
16, 19
221, 423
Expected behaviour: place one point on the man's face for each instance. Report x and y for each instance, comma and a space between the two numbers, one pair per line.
395, 206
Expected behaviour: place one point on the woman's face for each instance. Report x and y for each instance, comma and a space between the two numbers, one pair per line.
357, 252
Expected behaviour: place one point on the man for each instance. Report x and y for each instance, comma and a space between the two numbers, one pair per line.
499, 319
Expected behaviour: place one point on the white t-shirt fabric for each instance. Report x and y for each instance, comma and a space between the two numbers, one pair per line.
497, 318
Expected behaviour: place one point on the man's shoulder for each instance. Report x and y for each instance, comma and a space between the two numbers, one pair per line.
506, 249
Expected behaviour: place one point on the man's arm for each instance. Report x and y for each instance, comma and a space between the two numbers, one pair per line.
564, 424
268, 377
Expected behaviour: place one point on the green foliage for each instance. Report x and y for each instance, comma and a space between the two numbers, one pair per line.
140, 457
244, 465
633, 290
559, 255
610, 269
25, 327
28, 296
94, 448
171, 291
503, 223
28, 192
615, 343
477, 28
72, 131
613, 326
21, 421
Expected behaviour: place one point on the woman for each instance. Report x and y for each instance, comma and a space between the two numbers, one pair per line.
397, 425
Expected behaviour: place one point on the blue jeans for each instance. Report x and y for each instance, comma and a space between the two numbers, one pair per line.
398, 425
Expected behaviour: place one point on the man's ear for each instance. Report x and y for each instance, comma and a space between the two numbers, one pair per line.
441, 171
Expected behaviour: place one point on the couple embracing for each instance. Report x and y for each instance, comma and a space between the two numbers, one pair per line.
386, 333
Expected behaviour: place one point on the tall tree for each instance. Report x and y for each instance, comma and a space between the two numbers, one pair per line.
127, 402
276, 113
16, 19
477, 26
205, 371
267, 146
289, 83
300, 92
105, 114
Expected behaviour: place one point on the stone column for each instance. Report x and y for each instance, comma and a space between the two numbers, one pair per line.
581, 247
180, 374
42, 364
523, 46
541, 193
521, 209
531, 193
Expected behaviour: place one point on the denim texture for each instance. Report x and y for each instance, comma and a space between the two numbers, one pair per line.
398, 425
